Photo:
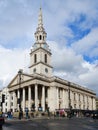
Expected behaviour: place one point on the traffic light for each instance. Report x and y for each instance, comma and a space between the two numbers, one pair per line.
3, 98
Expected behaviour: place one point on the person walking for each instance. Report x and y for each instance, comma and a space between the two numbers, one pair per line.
27, 116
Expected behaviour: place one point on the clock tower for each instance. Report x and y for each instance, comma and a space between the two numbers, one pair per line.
40, 55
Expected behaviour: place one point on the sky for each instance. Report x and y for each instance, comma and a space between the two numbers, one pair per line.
72, 34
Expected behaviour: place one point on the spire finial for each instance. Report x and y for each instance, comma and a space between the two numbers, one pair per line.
40, 4
40, 33
40, 18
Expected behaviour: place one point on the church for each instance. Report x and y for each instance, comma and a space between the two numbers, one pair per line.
39, 89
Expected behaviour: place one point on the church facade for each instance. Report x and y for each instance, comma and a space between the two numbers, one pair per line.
40, 89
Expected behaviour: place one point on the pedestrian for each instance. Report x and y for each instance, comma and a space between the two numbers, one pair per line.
9, 115
19, 115
26, 113
48, 111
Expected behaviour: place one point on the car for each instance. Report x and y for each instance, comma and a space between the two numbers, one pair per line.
2, 121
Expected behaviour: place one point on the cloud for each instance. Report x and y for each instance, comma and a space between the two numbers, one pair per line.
71, 66
88, 45
90, 79
17, 20
65, 59
11, 62
74, 48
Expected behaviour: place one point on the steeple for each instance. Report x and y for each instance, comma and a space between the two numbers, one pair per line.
40, 55
40, 18
40, 34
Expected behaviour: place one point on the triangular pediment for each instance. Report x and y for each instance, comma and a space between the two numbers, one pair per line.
18, 78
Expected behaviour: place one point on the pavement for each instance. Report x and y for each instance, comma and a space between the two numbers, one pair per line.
35, 118
57, 123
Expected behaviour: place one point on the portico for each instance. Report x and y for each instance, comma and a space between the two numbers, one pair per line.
32, 97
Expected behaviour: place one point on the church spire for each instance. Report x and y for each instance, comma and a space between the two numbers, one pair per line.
40, 18
40, 34
40, 56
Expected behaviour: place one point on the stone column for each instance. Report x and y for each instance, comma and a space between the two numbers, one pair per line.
18, 98
23, 99
82, 101
91, 103
94, 103
29, 98
77, 100
36, 97
71, 99
43, 98
9, 102
48, 91
86, 102
18, 94
57, 96
52, 99
14, 101
64, 98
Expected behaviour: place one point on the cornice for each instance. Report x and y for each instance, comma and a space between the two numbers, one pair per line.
40, 63
39, 49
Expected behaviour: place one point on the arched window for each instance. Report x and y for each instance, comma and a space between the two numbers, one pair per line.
40, 37
45, 58
35, 58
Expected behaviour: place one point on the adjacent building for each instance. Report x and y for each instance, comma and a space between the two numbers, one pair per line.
4, 99
39, 89
96, 103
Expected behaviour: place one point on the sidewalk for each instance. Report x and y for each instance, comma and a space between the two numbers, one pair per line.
35, 118
40, 118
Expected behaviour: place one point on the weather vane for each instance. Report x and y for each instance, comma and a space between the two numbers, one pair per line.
40, 3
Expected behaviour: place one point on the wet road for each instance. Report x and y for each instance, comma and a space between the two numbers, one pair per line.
53, 124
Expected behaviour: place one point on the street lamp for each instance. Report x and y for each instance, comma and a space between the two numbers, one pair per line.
19, 98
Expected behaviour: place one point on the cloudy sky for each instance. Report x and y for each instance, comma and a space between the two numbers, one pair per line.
72, 34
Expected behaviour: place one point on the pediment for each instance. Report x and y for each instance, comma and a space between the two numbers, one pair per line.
17, 79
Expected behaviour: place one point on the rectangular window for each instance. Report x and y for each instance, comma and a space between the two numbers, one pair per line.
35, 58
45, 58
74, 96
11, 103
79, 97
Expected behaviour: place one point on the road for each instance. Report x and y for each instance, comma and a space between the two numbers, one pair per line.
52, 124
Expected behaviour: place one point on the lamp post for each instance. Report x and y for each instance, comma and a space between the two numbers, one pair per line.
19, 98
